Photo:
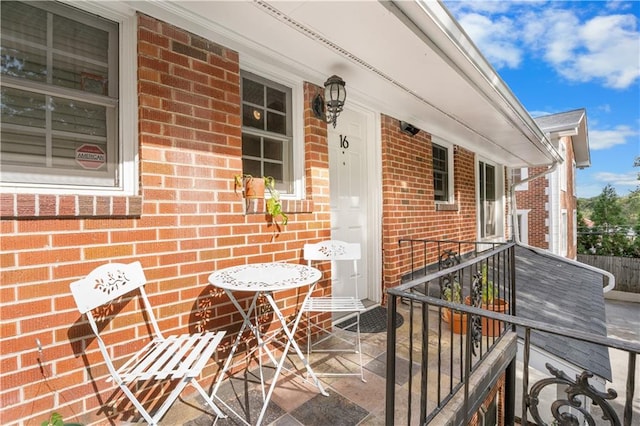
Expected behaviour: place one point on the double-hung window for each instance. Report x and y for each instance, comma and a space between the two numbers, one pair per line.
267, 130
488, 200
442, 173
60, 98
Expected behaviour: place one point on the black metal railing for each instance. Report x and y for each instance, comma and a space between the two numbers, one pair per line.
447, 353
430, 366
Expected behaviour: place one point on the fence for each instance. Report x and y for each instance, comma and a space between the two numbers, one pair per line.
625, 269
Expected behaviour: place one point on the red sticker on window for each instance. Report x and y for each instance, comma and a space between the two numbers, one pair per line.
90, 156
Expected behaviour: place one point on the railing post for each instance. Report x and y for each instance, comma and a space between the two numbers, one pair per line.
391, 360
510, 394
525, 375
628, 407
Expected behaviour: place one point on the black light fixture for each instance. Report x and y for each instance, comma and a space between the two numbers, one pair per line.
329, 108
409, 128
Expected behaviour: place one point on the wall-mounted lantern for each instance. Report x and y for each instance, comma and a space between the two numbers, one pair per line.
329, 108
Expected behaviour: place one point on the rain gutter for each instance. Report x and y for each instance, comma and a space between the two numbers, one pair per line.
461, 42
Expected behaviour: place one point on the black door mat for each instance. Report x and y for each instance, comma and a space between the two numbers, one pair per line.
372, 321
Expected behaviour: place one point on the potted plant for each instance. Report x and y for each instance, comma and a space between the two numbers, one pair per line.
274, 205
251, 187
453, 293
489, 299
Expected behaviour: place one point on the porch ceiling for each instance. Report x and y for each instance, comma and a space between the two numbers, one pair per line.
409, 60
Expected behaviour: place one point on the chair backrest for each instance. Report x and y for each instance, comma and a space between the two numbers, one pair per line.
332, 250
106, 283
103, 285
335, 250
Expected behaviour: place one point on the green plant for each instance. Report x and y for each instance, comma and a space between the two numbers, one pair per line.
274, 205
453, 292
489, 290
54, 420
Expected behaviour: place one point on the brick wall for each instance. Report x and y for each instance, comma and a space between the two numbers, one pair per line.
187, 223
409, 210
536, 200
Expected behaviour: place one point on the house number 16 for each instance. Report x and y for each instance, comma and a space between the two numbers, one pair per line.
344, 143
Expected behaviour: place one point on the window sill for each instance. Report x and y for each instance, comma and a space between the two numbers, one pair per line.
257, 206
446, 207
45, 206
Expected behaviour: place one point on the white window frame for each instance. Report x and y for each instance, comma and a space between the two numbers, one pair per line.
126, 112
285, 78
450, 172
499, 213
522, 218
564, 230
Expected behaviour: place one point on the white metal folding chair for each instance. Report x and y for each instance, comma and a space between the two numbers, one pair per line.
174, 358
335, 251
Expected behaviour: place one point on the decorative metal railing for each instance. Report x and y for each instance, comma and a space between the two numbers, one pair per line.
439, 363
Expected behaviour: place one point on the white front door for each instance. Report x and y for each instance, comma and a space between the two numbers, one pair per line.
349, 193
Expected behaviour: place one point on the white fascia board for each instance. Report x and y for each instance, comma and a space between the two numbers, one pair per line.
466, 57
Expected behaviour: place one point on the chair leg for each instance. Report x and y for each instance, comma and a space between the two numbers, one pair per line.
150, 420
208, 399
359, 347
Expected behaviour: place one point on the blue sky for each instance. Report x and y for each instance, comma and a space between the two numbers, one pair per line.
562, 55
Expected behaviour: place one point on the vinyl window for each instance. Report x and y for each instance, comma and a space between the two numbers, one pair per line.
60, 97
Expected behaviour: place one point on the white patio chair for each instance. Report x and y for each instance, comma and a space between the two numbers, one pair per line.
175, 358
335, 251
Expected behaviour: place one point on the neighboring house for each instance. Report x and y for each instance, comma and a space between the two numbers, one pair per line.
124, 124
547, 205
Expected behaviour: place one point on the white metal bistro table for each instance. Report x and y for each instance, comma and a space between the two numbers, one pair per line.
264, 279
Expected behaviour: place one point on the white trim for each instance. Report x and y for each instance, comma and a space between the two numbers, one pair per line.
564, 231
562, 170
523, 233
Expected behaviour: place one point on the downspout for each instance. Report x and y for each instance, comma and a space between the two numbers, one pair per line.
609, 280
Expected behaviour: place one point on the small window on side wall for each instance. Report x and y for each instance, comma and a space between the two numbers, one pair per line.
442, 173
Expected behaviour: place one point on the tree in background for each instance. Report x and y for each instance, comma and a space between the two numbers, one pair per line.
607, 211
610, 233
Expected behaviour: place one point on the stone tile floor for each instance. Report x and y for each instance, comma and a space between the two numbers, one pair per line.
295, 400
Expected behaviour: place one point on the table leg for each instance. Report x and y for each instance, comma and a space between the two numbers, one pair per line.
291, 341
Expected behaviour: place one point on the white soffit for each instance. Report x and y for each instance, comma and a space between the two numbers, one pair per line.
406, 59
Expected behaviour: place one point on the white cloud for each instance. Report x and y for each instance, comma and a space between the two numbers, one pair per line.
618, 179
604, 48
609, 50
604, 139
493, 38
